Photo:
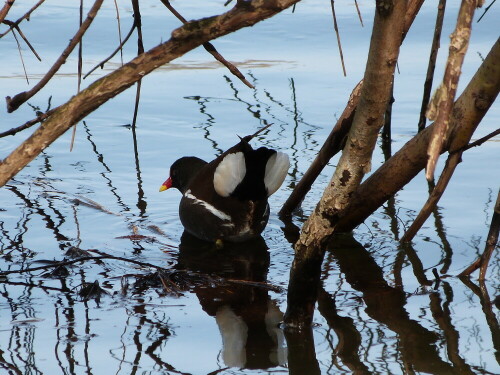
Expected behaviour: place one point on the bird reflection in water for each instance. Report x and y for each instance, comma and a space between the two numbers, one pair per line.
247, 317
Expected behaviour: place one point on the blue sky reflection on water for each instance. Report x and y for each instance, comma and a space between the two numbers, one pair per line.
99, 195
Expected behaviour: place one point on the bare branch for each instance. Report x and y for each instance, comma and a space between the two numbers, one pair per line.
25, 16
333, 143
119, 48
437, 192
19, 99
183, 40
442, 102
487, 9
13, 25
403, 166
28, 124
119, 30
211, 49
332, 2
359, 13
21, 56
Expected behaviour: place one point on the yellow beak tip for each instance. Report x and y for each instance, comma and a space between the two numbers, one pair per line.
163, 188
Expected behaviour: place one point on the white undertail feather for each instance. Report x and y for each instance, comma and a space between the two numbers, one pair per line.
229, 173
276, 170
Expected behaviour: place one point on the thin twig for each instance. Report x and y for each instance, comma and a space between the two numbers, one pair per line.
119, 30
432, 63
17, 100
332, 2
140, 50
211, 49
119, 48
80, 59
480, 141
21, 56
25, 16
359, 13
28, 124
487, 9
429, 206
18, 29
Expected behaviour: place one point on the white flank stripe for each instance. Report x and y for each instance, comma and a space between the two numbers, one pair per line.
221, 215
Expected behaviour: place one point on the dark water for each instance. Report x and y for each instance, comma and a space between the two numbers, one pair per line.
218, 311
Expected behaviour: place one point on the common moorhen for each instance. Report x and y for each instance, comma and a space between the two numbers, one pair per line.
226, 199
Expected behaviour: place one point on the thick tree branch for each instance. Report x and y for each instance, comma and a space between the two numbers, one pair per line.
355, 161
183, 40
335, 140
404, 165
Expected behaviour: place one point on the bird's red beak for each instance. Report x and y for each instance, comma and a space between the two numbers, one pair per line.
166, 185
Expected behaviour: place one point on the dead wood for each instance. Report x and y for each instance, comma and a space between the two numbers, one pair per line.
19, 99
335, 140
432, 63
441, 104
491, 242
404, 165
183, 39
209, 47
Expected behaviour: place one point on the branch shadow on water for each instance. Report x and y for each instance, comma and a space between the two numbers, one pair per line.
418, 346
